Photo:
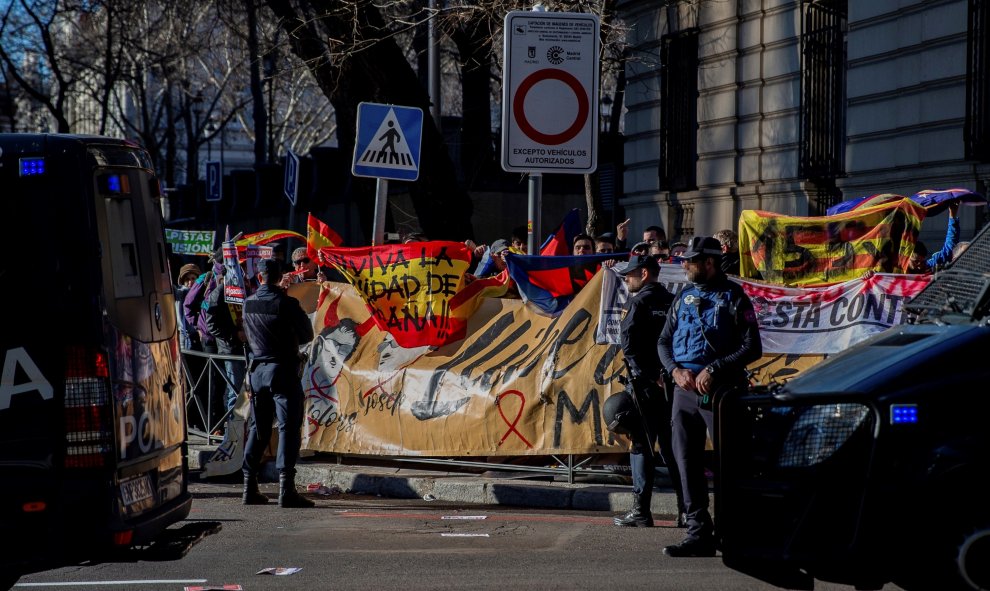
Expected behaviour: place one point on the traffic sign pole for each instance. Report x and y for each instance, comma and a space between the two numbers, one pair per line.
535, 207
381, 202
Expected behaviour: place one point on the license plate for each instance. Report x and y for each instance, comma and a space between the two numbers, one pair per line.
135, 490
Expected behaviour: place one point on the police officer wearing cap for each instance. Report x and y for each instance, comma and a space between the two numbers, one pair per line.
711, 335
643, 319
275, 326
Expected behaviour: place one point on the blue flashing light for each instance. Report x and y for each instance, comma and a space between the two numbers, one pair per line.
113, 183
32, 166
903, 414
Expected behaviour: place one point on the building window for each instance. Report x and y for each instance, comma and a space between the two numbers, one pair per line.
679, 111
823, 120
977, 133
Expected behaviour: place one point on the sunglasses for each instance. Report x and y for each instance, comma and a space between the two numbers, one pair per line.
302, 261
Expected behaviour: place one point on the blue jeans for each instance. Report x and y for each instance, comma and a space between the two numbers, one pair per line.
235, 375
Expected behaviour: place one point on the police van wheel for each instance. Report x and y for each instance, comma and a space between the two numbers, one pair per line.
973, 558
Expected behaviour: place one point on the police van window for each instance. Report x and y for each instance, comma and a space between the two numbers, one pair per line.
124, 255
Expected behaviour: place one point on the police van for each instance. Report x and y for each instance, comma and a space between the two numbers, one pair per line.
92, 411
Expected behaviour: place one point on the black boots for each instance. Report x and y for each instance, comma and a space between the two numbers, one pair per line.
252, 496
288, 498
692, 547
638, 516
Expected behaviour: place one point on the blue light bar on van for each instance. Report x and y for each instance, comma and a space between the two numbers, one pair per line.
903, 414
32, 166
113, 183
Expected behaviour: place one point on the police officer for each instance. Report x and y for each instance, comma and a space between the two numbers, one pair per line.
711, 335
642, 321
275, 326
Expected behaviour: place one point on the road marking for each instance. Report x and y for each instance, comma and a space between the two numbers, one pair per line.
97, 583
464, 535
464, 517
537, 518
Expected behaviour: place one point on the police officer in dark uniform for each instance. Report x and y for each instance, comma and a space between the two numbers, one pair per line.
642, 321
275, 326
711, 335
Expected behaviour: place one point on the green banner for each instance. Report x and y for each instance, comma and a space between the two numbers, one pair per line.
190, 241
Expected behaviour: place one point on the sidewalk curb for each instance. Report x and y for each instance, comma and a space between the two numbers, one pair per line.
455, 487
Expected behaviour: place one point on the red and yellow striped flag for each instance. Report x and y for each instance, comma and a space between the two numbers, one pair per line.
806, 251
319, 235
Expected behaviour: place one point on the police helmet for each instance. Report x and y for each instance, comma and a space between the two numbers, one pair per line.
621, 414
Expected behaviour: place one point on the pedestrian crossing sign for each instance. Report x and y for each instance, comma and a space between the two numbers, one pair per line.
388, 142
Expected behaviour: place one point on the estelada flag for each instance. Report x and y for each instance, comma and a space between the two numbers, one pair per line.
933, 200
559, 242
550, 283
807, 251
418, 292
319, 235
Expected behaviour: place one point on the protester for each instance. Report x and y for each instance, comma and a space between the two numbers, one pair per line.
644, 317
186, 278
224, 323
605, 243
640, 248
519, 242
924, 262
583, 245
710, 336
959, 249
730, 251
650, 233
275, 326
659, 249
677, 249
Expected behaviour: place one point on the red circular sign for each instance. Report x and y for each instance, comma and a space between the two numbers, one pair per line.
520, 114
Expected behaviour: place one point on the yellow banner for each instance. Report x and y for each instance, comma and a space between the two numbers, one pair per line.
805, 251
519, 383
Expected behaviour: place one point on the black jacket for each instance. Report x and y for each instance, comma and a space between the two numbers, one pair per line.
221, 324
276, 326
644, 318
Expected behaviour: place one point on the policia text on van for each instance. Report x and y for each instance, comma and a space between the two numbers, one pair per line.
92, 407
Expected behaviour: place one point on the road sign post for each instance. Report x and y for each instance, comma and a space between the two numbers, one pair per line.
214, 181
388, 143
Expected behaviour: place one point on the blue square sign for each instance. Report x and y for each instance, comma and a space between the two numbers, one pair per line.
388, 142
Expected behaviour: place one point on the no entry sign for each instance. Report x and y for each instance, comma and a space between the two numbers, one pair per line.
550, 92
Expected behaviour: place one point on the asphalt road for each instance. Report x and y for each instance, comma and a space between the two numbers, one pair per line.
355, 542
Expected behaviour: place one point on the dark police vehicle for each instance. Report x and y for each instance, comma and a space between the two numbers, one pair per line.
92, 407
870, 467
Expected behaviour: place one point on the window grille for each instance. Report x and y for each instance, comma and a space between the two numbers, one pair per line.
823, 120
977, 131
679, 111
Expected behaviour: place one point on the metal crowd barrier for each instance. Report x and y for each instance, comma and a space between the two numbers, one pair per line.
200, 392
200, 401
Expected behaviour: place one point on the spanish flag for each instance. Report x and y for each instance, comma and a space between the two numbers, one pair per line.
319, 235
809, 251
418, 292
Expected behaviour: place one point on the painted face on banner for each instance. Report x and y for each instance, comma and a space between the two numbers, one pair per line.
335, 347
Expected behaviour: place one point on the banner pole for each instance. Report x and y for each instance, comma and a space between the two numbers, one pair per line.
534, 208
381, 200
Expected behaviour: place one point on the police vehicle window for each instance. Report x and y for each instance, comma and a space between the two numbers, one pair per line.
124, 261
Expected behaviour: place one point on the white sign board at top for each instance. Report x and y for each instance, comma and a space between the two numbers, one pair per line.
550, 92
